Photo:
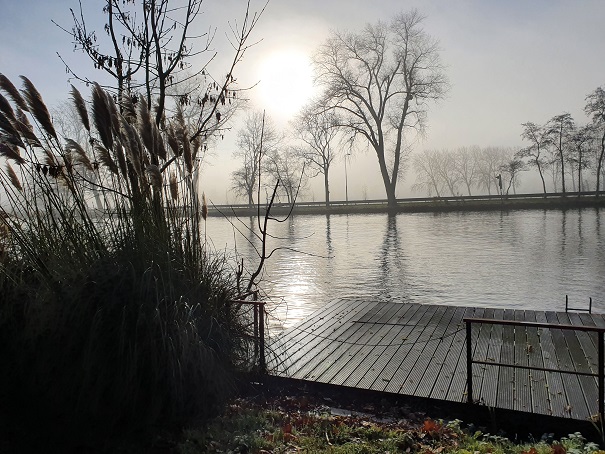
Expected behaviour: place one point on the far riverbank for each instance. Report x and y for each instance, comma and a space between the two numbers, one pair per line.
568, 200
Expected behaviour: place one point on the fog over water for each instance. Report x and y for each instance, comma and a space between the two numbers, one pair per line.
517, 259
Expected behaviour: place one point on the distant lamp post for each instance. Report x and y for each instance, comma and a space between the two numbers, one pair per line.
346, 180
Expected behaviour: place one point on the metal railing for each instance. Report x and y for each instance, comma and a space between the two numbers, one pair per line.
258, 308
600, 375
423, 200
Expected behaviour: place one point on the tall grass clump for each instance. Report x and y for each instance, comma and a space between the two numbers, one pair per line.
114, 312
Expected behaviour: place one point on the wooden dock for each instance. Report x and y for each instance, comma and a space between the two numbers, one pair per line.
420, 350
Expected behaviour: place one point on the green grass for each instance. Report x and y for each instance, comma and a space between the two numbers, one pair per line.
289, 425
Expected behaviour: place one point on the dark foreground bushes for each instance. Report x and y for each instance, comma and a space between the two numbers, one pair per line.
114, 313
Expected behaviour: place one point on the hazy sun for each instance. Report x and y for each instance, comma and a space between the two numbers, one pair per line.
286, 82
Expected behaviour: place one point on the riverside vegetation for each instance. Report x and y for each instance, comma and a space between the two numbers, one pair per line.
115, 313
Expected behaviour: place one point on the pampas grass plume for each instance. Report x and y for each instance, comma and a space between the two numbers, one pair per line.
12, 91
37, 107
80, 107
174, 187
12, 176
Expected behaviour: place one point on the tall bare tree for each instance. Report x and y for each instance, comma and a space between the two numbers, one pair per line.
426, 167
255, 141
287, 170
380, 81
511, 169
466, 165
539, 139
318, 133
595, 108
582, 140
560, 129
490, 161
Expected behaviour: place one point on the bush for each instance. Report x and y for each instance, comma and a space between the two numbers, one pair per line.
116, 316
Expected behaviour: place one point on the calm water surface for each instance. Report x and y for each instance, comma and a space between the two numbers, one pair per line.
520, 259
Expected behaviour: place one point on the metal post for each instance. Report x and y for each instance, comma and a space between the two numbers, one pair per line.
255, 310
601, 378
469, 364
261, 310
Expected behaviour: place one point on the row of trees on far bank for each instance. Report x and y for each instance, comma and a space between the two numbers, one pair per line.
567, 150
492, 170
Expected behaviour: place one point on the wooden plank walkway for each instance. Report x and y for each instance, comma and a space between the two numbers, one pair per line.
420, 350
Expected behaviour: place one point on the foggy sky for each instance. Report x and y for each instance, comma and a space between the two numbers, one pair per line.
508, 62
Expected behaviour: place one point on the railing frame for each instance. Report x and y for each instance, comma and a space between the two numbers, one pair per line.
259, 325
601, 355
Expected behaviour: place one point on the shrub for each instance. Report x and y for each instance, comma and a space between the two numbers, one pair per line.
114, 311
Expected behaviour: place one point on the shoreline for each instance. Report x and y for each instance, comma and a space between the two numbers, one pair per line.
557, 201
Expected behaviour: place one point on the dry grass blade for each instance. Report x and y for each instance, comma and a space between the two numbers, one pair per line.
113, 110
187, 154
154, 176
204, 206
101, 116
81, 157
11, 153
11, 134
131, 146
37, 107
174, 187
50, 158
145, 125
173, 143
12, 176
12, 91
26, 129
159, 143
6, 108
105, 159
128, 109
119, 154
80, 107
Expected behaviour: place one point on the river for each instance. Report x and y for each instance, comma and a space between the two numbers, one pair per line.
520, 259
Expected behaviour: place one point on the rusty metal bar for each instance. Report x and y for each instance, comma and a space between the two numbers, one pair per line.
491, 321
469, 363
544, 369
601, 379
261, 326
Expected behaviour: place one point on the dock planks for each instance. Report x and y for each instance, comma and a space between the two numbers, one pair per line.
420, 350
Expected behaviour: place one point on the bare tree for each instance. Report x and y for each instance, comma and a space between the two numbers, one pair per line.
149, 48
490, 161
380, 81
317, 132
560, 129
287, 170
539, 139
255, 140
595, 108
581, 141
512, 169
446, 169
426, 166
466, 165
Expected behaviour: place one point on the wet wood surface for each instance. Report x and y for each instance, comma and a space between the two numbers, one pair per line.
420, 350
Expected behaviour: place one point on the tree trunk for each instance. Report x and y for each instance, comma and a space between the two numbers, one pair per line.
541, 176
600, 163
327, 187
391, 198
